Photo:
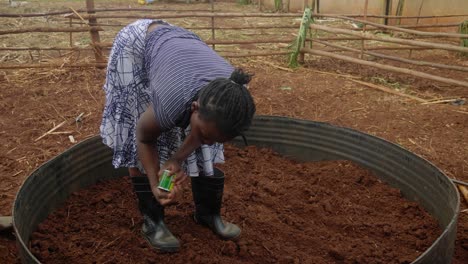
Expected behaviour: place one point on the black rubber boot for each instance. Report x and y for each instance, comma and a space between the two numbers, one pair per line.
208, 197
154, 230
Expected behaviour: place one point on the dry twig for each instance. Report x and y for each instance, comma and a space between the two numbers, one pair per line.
388, 90
442, 101
76, 13
274, 65
50, 131
463, 191
463, 112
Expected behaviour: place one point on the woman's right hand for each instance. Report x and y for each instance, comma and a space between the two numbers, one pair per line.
164, 197
174, 167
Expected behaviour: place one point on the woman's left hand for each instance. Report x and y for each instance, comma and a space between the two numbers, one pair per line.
174, 167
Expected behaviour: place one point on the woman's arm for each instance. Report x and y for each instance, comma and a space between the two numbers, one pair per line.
190, 144
147, 133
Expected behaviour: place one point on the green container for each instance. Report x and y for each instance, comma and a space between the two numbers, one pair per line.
166, 183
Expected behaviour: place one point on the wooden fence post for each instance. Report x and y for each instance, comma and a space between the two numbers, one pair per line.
71, 34
94, 34
364, 30
301, 59
213, 37
417, 22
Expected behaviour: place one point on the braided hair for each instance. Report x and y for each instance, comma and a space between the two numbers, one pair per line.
228, 103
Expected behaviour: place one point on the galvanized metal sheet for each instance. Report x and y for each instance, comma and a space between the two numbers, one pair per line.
419, 180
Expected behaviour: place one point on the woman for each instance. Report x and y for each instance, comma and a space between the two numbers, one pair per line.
170, 103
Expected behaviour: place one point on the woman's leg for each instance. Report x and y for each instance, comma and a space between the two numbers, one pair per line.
134, 172
154, 229
208, 196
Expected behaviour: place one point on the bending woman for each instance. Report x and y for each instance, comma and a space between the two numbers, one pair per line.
171, 101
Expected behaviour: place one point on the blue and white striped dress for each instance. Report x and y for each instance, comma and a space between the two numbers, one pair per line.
165, 69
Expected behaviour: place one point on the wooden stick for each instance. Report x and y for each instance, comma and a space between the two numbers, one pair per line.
418, 26
397, 48
10, 15
336, 38
31, 56
364, 29
16, 174
94, 34
410, 31
390, 39
294, 26
104, 64
388, 67
399, 10
463, 191
102, 10
274, 65
393, 17
461, 112
419, 11
414, 26
378, 87
335, 74
442, 101
196, 13
430, 25
459, 182
225, 42
388, 90
77, 119
417, 22
144, 9
71, 34
82, 19
52, 130
50, 29
43, 65
76, 13
258, 41
43, 48
213, 36
255, 54
371, 48
109, 45
186, 15
402, 37
148, 10
384, 56
60, 132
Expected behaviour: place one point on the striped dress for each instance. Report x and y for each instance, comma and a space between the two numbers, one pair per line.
163, 69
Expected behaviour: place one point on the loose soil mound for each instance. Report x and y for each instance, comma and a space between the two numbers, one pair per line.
289, 212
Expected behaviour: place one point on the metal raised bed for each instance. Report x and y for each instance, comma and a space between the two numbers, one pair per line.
419, 180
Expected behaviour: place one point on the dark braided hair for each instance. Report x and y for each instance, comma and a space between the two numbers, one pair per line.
228, 103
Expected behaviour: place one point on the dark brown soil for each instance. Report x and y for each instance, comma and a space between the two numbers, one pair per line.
8, 252
316, 212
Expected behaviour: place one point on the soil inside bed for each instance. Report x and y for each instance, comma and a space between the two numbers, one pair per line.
289, 212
